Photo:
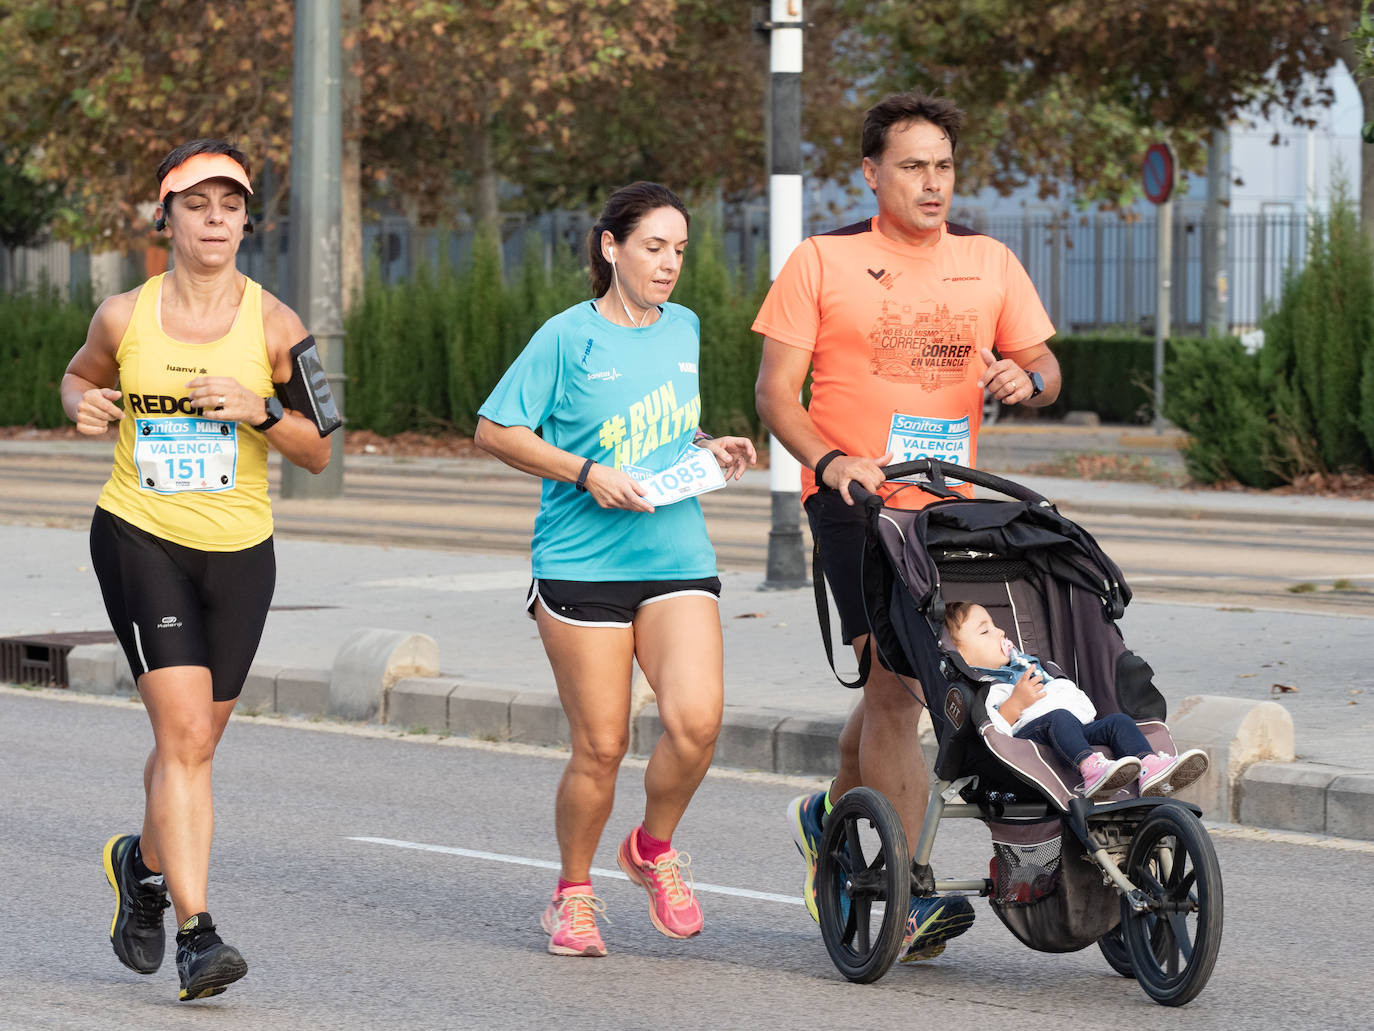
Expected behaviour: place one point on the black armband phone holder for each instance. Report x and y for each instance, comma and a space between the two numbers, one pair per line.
307, 391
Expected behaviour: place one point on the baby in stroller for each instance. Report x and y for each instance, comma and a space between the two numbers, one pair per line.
1027, 702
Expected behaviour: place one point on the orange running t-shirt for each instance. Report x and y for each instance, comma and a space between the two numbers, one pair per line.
895, 332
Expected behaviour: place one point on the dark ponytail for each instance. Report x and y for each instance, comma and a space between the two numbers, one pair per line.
622, 214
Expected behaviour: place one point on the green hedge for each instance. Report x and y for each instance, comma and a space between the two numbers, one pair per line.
424, 354
1112, 375
39, 333
1304, 403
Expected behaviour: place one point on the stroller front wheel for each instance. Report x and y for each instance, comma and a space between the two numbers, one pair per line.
863, 885
1173, 943
1113, 947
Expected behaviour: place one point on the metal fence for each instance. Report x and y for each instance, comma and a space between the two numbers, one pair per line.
1097, 271
1092, 271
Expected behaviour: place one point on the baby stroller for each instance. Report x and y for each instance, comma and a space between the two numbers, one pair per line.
1137, 876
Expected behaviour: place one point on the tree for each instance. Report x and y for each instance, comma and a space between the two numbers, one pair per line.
697, 123
1356, 49
27, 207
99, 91
471, 87
1071, 91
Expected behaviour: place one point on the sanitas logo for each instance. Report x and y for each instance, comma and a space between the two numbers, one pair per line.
687, 367
608, 375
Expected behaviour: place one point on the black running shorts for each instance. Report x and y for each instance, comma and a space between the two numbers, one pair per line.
171, 605
610, 603
839, 530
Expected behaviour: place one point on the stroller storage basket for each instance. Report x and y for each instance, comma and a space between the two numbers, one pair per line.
1047, 892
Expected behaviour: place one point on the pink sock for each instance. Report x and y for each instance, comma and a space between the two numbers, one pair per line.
649, 847
564, 887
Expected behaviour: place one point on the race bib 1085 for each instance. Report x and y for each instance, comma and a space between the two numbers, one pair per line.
695, 472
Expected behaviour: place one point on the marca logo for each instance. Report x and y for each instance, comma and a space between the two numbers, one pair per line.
885, 278
609, 375
687, 367
586, 352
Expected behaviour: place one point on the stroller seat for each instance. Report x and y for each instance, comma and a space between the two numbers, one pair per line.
1019, 610
1049, 587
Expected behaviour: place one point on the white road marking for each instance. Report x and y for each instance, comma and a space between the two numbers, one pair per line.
544, 864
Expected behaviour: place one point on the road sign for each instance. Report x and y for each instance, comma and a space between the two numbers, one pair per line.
1159, 173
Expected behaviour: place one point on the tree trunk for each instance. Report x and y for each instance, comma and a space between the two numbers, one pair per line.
1346, 51
351, 172
486, 184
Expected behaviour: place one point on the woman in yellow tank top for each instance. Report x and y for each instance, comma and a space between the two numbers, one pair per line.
181, 541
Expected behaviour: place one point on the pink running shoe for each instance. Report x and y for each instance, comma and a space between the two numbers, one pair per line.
1156, 773
570, 923
1101, 774
672, 906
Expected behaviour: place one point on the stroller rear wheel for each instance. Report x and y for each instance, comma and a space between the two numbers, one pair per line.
863, 885
1173, 943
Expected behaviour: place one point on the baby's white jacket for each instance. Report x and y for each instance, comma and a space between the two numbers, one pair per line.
1060, 693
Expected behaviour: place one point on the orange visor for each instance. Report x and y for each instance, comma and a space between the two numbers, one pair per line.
199, 167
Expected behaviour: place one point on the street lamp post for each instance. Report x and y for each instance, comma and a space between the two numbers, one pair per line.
315, 250
786, 565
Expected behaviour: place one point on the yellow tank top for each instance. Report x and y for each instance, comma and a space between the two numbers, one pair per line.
182, 476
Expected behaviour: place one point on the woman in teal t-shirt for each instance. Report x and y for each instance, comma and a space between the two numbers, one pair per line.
623, 569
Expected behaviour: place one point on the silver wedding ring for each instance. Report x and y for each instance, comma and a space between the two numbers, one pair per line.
221, 400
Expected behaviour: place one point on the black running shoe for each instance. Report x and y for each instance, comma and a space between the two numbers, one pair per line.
206, 965
136, 930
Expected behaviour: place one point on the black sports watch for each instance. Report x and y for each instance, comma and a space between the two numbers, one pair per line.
1037, 384
275, 413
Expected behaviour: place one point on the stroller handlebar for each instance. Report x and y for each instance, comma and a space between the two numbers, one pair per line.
935, 472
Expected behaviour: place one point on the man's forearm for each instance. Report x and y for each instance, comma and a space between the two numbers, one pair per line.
1048, 367
791, 424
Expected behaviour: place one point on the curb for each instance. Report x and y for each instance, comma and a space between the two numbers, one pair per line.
1253, 779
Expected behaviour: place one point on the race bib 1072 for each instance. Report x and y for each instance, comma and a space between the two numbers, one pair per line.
914, 436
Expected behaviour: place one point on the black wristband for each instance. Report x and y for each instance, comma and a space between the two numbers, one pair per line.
582, 476
826, 459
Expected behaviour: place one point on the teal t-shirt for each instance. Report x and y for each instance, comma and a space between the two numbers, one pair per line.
623, 397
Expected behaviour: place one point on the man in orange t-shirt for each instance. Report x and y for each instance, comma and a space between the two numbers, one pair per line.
896, 317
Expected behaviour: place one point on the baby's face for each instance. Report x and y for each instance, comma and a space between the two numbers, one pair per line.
979, 640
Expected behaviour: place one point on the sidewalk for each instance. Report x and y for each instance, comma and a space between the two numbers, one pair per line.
487, 674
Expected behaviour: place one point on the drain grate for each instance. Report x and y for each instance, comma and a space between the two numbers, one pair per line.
42, 658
